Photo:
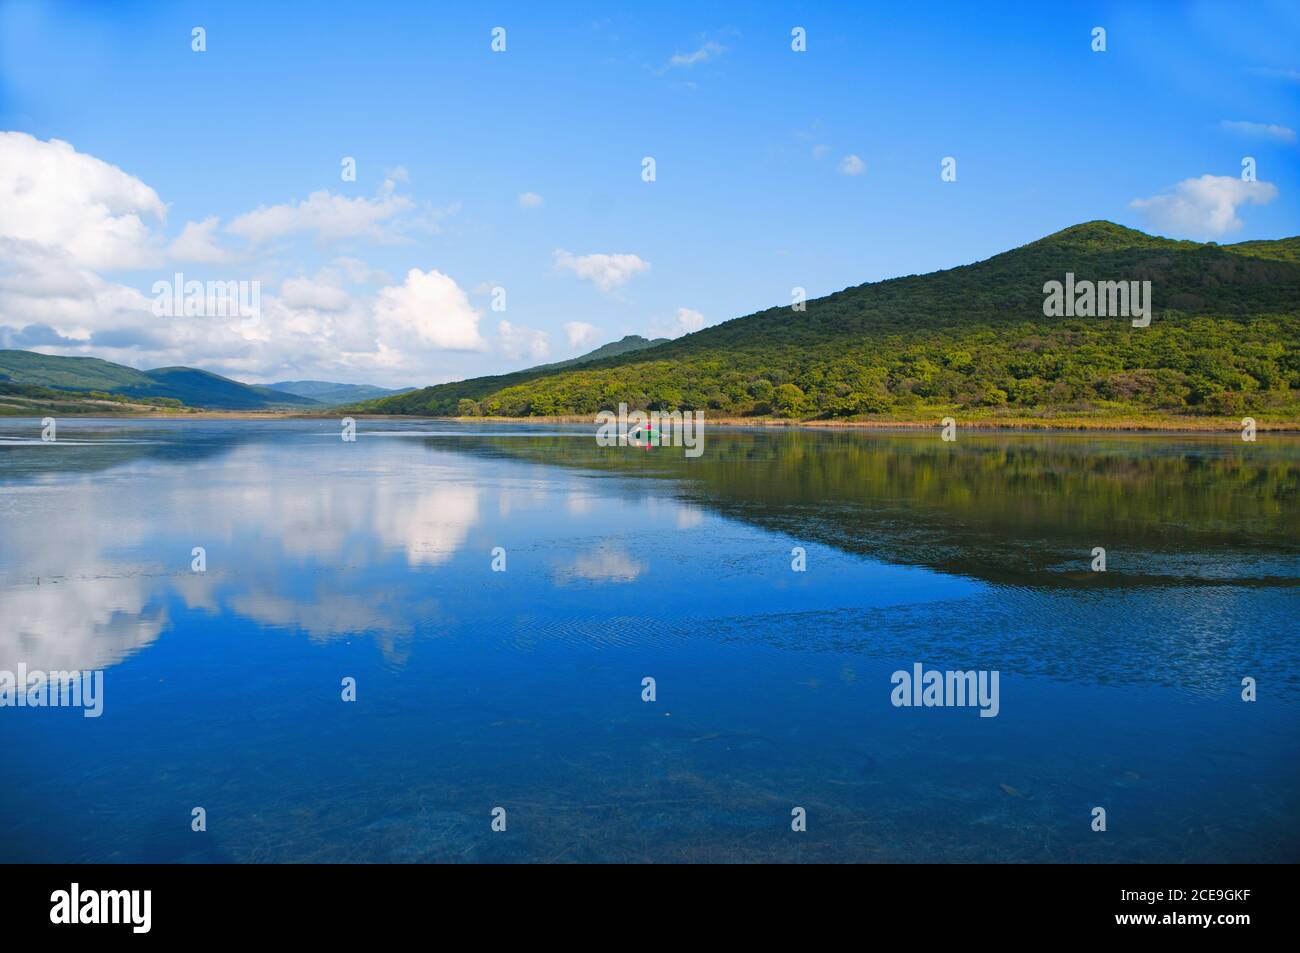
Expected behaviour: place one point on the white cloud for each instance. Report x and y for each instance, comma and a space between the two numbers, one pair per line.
819, 151
75, 207
310, 327
1259, 130
1206, 206
702, 54
530, 200
428, 309
306, 294
326, 215
197, 243
852, 165
518, 342
685, 321
580, 333
688, 320
67, 219
606, 272
359, 273
75, 302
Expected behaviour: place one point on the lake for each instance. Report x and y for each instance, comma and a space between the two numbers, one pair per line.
379, 561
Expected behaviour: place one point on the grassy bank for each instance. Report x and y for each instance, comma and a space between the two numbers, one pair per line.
1148, 423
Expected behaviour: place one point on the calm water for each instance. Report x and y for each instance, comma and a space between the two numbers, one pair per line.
522, 689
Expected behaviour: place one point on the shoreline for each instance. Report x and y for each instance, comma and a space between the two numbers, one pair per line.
1037, 424
1062, 424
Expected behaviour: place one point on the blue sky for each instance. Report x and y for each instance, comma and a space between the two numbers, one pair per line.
774, 168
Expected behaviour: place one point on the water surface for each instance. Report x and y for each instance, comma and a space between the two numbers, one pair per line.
523, 689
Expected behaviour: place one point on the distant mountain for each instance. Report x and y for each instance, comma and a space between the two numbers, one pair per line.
632, 342
973, 340
187, 385
448, 396
330, 394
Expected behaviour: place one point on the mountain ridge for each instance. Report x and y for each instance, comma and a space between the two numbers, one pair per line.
179, 385
332, 393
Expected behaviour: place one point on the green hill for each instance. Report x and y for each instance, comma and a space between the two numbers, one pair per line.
972, 340
68, 373
32, 400
628, 344
447, 397
187, 385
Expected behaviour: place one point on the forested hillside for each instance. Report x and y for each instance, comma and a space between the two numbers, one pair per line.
973, 339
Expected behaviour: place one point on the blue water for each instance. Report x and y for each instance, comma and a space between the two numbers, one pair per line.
523, 689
